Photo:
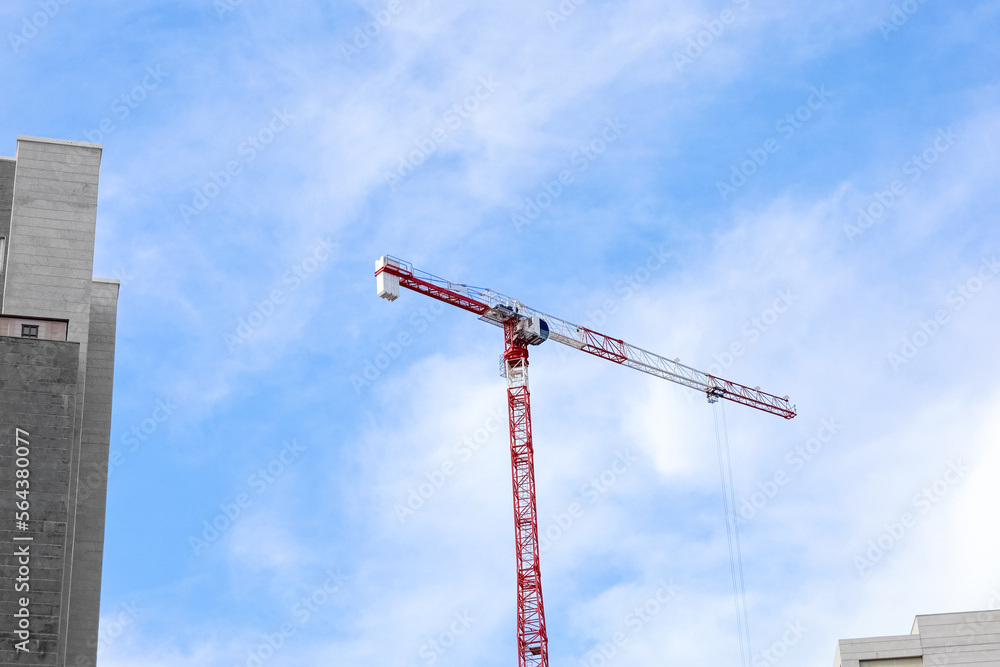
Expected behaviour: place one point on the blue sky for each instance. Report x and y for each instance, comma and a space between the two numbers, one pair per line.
835, 159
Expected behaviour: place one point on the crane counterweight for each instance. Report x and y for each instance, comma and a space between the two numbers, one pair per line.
387, 284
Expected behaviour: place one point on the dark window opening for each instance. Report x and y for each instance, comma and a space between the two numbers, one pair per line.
29, 331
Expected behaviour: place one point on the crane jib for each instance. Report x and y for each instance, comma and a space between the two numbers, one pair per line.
496, 308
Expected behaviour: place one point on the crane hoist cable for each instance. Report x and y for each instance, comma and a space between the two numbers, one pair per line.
732, 533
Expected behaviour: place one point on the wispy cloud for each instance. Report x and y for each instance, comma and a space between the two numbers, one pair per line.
208, 319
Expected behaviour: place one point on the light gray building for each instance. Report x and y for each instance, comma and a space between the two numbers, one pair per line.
967, 638
57, 346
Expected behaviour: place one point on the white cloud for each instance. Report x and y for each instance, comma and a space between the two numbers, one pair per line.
852, 303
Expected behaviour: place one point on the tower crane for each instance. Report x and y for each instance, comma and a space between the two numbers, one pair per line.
524, 327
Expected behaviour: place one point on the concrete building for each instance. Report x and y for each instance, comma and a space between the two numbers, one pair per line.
969, 638
57, 345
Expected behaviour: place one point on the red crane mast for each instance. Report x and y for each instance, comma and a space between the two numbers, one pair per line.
522, 327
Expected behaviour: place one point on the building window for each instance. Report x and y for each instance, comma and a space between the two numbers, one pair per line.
29, 331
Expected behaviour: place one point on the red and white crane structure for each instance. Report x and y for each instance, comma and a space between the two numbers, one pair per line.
524, 326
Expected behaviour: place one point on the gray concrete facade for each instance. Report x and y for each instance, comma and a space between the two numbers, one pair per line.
967, 638
56, 369
38, 392
6, 201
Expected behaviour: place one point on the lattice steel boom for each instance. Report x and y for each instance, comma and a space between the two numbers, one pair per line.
524, 326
